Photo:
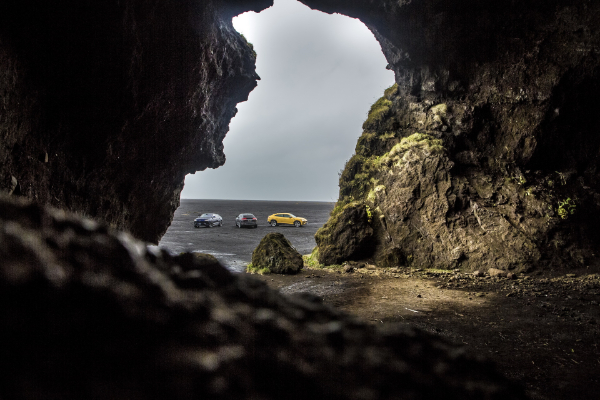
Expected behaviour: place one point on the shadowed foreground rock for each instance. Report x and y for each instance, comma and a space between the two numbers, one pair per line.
89, 313
276, 253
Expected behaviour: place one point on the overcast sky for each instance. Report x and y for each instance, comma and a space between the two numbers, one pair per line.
320, 73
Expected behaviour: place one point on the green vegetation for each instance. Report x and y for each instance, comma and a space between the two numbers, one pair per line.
391, 91
380, 109
416, 140
377, 113
312, 261
566, 207
359, 178
251, 269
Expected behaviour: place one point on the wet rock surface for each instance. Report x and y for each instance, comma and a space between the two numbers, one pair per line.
89, 312
275, 253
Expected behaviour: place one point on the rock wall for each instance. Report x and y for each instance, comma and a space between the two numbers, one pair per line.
485, 153
105, 106
91, 313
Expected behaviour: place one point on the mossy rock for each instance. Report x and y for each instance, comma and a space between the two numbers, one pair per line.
276, 254
347, 235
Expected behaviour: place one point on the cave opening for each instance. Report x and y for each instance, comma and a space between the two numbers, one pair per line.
320, 73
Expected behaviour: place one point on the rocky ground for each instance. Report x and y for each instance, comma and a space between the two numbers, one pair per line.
541, 329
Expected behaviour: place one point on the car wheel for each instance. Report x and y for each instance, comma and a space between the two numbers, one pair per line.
273, 223
220, 223
297, 224
237, 224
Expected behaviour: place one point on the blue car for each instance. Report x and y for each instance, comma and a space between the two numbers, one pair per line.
209, 220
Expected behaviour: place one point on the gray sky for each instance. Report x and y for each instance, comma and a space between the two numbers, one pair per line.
319, 74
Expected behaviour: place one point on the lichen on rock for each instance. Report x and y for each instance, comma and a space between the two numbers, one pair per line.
275, 254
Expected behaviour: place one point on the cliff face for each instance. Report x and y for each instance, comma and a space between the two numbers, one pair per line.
485, 153
107, 105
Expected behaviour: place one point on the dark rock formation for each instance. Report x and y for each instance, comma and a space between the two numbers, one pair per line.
276, 254
346, 236
91, 313
107, 105
507, 90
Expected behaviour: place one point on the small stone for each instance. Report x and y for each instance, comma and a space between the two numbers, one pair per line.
419, 296
511, 275
494, 272
571, 275
348, 268
478, 274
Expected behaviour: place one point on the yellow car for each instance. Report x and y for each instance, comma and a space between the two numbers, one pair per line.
286, 219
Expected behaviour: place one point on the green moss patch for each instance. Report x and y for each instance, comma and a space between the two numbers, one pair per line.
251, 269
377, 114
416, 140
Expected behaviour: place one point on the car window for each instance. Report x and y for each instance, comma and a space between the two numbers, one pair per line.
291, 216
248, 216
206, 215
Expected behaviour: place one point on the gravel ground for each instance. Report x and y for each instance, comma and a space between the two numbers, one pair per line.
541, 330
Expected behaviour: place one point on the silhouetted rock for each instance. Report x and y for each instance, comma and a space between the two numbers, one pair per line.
107, 105
275, 253
89, 312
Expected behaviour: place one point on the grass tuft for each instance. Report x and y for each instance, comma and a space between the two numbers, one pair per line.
251, 269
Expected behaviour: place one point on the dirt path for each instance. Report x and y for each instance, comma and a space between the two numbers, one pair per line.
540, 330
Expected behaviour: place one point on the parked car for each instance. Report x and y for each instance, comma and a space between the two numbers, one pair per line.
286, 219
209, 220
246, 220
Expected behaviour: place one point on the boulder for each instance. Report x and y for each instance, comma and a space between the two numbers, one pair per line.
346, 236
276, 253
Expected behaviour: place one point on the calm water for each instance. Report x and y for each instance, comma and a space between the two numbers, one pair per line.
231, 245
